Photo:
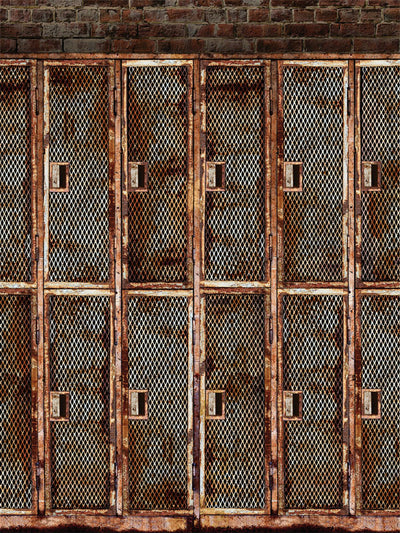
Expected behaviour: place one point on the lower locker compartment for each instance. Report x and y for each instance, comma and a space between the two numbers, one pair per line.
380, 424
80, 401
15, 402
312, 351
234, 476
159, 402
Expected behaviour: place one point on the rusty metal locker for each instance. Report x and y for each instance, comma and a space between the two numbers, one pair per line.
233, 406
313, 177
17, 402
17, 166
157, 139
159, 369
79, 374
378, 171
78, 173
312, 350
234, 128
380, 430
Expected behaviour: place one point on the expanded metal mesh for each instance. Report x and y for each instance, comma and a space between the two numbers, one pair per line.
79, 218
380, 349
158, 134
235, 454
158, 362
380, 141
15, 174
313, 135
313, 364
15, 402
235, 217
80, 365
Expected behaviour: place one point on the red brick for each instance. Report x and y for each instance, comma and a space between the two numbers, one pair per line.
110, 15
8, 46
39, 45
388, 30
376, 46
201, 30
259, 15
306, 30
154, 15
338, 46
184, 15
392, 15
236, 15
281, 15
132, 15
383, 3
3, 15
326, 15
20, 30
227, 31
371, 15
303, 15
353, 30
259, 30
138, 46
20, 15
348, 15
42, 15
279, 45
161, 30
342, 3
91, 46
299, 3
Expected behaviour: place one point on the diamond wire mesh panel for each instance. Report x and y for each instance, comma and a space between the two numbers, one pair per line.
313, 364
15, 174
15, 402
158, 123
380, 141
80, 365
158, 362
380, 348
313, 134
79, 218
235, 217
235, 455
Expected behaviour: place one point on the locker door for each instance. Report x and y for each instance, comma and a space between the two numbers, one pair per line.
78, 340
157, 139
233, 407
78, 173
312, 432
17, 403
159, 382
17, 205
313, 175
379, 169
380, 424
234, 129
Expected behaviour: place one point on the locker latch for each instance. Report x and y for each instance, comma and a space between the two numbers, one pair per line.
293, 405
293, 179
371, 403
59, 177
215, 175
59, 405
137, 176
138, 404
215, 404
371, 175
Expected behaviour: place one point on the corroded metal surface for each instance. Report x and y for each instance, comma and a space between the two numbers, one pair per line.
313, 346
158, 361
234, 362
234, 240
80, 364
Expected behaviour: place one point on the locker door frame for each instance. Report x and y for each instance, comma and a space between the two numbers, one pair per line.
282, 510
347, 173
34, 186
125, 403
35, 398
160, 285
268, 166
268, 406
359, 190
358, 401
113, 474
113, 171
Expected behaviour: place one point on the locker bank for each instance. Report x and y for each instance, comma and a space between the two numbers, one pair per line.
199, 293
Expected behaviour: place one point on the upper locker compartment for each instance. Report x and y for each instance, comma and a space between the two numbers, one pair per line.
313, 172
234, 127
78, 173
158, 172
17, 172
379, 171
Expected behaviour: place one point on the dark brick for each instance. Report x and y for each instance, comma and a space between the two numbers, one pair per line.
3, 15
348, 15
110, 15
339, 46
215, 16
42, 15
259, 30
66, 30
326, 15
20, 30
392, 15
20, 15
88, 15
236, 15
388, 30
135, 46
352, 30
180, 46
161, 30
8, 46
281, 15
303, 15
306, 30
183, 15
371, 15
39, 45
279, 45
376, 46
234, 46
79, 46
65, 15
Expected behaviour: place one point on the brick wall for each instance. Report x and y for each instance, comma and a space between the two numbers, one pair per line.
200, 26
